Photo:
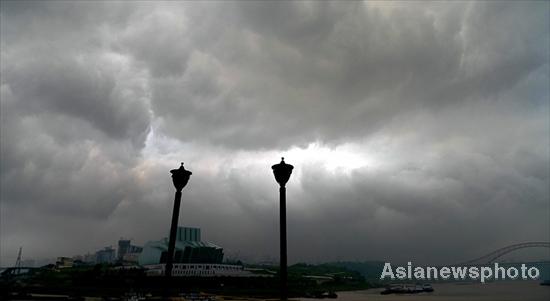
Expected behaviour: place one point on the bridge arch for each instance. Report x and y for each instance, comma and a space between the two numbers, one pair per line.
491, 257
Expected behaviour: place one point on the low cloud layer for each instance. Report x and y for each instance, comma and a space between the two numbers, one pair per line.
418, 131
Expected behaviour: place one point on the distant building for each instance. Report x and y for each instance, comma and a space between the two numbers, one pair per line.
193, 257
189, 249
130, 259
107, 255
128, 252
123, 246
64, 262
89, 258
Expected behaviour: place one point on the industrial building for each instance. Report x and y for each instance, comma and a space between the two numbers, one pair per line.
127, 253
189, 249
193, 257
107, 255
64, 262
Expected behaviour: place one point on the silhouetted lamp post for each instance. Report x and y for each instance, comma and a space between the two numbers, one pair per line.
282, 173
180, 177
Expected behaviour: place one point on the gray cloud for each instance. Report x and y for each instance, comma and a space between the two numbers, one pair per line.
340, 73
448, 103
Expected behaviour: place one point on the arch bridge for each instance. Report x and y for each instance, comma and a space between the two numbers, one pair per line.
491, 257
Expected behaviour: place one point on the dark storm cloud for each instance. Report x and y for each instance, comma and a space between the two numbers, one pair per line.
74, 117
448, 102
79, 88
335, 71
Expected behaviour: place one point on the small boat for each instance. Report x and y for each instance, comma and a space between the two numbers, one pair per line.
402, 289
394, 289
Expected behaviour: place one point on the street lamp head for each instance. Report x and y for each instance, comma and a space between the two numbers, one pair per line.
282, 172
180, 177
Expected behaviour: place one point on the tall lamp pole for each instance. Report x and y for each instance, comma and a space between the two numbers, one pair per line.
282, 173
180, 177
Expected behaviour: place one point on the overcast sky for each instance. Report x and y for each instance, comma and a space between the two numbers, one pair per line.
418, 130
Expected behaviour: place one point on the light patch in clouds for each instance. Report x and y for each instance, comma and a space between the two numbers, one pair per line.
336, 159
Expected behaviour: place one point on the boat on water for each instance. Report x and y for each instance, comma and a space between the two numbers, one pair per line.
407, 289
427, 287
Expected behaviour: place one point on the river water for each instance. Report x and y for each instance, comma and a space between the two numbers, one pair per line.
495, 291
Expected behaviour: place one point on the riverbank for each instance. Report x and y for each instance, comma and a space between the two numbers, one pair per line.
502, 291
